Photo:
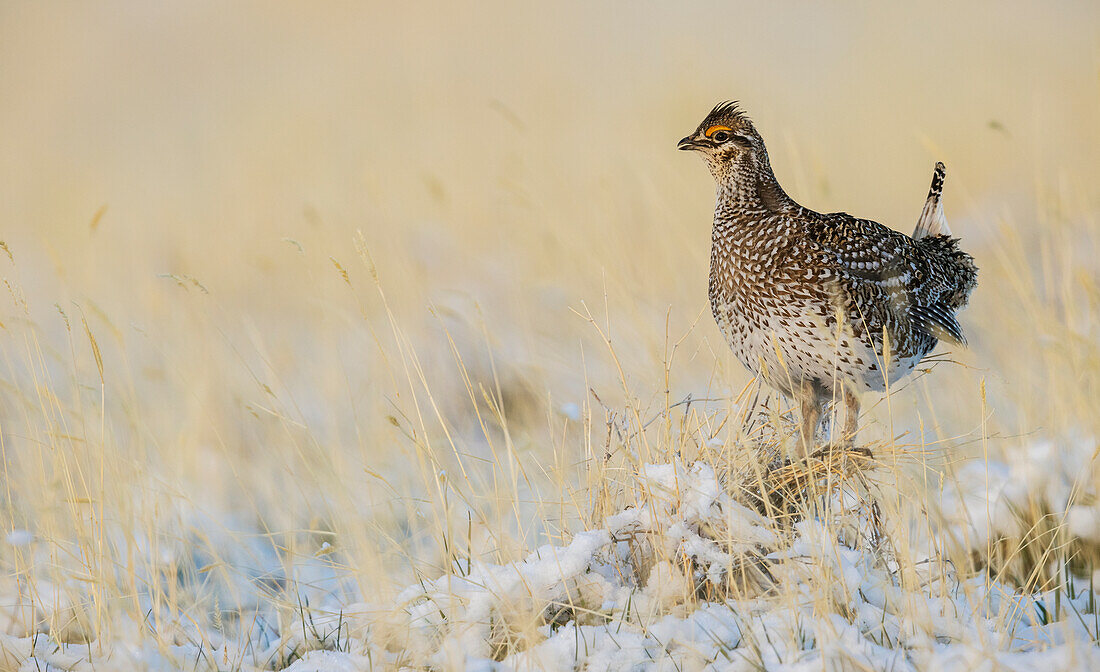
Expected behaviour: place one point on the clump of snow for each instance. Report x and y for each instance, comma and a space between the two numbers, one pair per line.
457, 613
571, 410
329, 661
987, 500
20, 538
1084, 521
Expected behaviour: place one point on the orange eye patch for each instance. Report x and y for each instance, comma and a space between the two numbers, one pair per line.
714, 129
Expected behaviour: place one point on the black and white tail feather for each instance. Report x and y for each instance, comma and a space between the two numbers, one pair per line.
937, 319
932, 221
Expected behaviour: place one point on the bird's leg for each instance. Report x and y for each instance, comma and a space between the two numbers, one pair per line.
811, 416
851, 416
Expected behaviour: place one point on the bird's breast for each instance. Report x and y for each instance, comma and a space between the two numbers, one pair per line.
748, 265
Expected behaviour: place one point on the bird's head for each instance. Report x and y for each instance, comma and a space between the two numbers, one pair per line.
727, 140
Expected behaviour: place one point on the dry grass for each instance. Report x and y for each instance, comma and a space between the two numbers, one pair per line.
303, 309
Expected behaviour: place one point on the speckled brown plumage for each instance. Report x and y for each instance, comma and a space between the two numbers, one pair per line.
808, 301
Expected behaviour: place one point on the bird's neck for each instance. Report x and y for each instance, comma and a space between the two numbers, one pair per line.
749, 186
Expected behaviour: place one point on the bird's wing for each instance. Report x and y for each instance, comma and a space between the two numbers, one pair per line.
884, 270
862, 247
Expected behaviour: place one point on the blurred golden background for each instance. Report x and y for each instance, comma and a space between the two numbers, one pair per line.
194, 343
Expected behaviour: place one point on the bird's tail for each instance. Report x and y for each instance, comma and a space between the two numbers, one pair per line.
932, 221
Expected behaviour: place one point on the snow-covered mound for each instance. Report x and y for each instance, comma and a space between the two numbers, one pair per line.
691, 579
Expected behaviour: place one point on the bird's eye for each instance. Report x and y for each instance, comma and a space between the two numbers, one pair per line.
720, 136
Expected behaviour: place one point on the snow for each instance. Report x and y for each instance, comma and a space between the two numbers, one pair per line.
329, 661
1084, 521
647, 624
571, 410
984, 499
20, 538
686, 577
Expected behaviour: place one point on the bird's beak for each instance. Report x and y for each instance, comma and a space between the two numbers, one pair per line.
688, 143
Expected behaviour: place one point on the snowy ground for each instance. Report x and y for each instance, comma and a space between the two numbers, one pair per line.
690, 578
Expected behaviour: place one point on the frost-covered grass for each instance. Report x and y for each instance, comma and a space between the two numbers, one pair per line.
354, 340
